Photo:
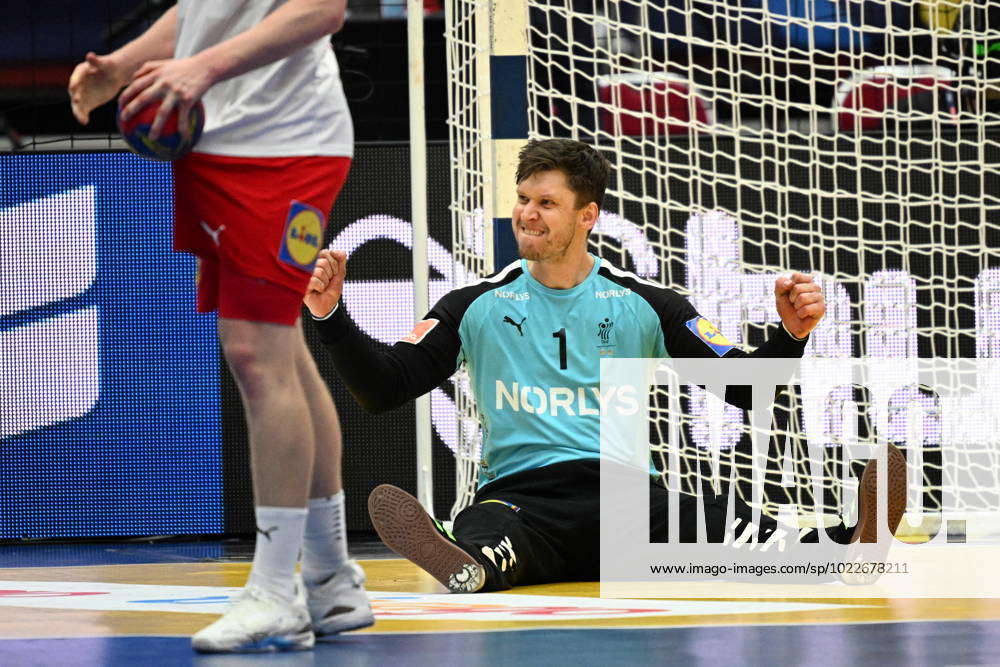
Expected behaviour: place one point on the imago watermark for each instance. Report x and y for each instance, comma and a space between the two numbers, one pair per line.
843, 478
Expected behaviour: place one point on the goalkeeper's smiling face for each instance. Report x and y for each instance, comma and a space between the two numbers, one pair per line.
547, 224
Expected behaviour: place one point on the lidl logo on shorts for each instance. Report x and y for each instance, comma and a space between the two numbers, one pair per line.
303, 236
710, 335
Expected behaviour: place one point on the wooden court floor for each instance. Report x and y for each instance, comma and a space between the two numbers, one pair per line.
129, 605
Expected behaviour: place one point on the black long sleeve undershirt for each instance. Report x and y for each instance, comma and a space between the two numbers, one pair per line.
381, 381
779, 345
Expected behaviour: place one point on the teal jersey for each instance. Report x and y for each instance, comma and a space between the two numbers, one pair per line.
533, 355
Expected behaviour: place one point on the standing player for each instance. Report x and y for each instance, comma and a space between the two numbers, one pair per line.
252, 204
532, 337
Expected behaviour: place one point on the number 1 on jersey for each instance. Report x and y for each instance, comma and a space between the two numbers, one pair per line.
561, 335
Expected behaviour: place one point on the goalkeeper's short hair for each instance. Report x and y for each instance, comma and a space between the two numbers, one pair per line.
586, 170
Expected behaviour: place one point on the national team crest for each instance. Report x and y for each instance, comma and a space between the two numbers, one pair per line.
606, 337
709, 334
606, 332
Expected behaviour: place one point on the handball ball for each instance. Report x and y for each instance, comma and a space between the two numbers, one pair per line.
173, 143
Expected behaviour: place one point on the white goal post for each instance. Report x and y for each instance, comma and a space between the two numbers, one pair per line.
861, 147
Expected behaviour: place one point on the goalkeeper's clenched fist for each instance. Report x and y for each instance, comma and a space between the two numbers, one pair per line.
327, 282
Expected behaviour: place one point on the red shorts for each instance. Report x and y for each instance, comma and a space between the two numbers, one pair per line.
256, 224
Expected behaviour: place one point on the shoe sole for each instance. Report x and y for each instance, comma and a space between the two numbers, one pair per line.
865, 552
408, 530
302, 641
867, 527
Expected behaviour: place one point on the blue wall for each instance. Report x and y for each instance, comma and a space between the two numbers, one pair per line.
146, 457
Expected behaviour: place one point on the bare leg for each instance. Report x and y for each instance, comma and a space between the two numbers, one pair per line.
263, 358
326, 477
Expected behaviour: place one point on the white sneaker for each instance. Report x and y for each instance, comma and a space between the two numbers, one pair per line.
340, 603
258, 621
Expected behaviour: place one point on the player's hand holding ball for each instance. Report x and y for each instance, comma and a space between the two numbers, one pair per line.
160, 114
327, 282
800, 303
175, 139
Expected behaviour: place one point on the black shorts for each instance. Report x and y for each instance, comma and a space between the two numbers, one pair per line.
535, 526
543, 525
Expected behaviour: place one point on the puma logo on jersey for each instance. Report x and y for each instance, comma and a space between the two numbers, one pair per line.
214, 233
517, 325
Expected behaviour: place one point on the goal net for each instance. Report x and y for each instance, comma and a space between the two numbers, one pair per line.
855, 140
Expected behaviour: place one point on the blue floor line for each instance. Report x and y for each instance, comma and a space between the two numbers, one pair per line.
884, 644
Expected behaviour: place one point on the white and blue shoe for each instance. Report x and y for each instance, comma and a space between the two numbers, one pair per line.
258, 621
340, 603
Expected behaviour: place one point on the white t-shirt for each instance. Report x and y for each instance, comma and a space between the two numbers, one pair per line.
291, 107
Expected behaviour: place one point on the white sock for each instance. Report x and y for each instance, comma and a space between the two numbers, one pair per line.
279, 539
325, 547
